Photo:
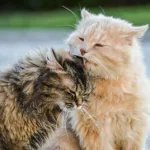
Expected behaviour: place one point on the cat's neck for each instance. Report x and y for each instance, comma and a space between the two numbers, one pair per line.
122, 84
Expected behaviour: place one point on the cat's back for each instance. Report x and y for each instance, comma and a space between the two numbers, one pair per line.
14, 126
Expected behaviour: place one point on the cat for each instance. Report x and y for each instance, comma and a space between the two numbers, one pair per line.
120, 103
118, 115
33, 95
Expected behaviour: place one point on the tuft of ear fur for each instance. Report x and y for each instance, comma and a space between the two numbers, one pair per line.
73, 66
135, 32
60, 56
85, 14
139, 31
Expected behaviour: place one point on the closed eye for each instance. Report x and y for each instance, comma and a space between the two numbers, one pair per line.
69, 105
98, 45
72, 92
85, 100
82, 39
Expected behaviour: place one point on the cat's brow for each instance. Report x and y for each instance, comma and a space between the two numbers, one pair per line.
72, 92
60, 87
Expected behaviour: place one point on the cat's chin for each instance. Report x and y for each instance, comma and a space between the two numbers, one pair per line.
88, 63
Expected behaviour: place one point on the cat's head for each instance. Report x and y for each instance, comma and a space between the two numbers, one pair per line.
75, 83
55, 79
109, 45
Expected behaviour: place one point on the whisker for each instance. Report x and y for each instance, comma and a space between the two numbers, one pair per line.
80, 7
76, 17
91, 117
103, 67
102, 10
64, 121
58, 119
84, 114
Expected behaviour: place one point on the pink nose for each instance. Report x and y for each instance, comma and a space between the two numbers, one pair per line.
83, 51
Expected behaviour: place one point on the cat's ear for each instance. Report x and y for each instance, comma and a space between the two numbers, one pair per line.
53, 61
139, 31
60, 57
135, 32
57, 57
85, 14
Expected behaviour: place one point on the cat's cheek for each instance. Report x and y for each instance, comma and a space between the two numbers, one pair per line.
74, 50
74, 47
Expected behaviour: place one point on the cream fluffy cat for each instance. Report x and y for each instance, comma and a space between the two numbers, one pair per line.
118, 116
120, 101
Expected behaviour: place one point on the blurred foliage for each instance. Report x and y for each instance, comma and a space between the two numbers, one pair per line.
44, 5
138, 15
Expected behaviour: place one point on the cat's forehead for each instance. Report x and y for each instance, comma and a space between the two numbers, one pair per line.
76, 85
100, 23
67, 81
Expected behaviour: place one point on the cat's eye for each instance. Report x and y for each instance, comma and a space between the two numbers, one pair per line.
98, 45
71, 92
69, 105
85, 100
82, 39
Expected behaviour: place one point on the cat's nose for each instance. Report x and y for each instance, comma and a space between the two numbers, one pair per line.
83, 51
79, 102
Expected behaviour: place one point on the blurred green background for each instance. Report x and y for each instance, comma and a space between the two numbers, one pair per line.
50, 14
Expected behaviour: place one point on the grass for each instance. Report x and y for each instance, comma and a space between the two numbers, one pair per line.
63, 18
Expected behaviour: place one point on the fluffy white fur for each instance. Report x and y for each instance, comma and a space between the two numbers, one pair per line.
118, 117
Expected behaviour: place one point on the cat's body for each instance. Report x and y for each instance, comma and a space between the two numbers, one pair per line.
32, 97
118, 116
120, 101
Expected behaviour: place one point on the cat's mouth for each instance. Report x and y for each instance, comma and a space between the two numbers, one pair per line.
85, 60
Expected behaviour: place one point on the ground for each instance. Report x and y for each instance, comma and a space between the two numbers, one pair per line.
14, 44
